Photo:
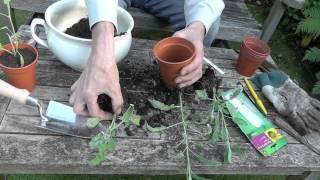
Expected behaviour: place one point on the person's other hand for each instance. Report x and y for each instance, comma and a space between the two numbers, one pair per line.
99, 76
192, 72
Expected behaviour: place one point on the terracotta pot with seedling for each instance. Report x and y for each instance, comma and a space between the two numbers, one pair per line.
17, 60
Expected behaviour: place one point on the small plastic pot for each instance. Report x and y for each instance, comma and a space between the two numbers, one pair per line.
172, 54
253, 52
23, 77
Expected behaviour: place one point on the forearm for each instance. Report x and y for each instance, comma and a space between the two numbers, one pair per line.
103, 42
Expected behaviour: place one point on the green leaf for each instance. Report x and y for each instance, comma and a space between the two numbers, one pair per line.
7, 2
236, 150
100, 156
196, 177
92, 122
316, 88
180, 155
207, 162
126, 117
96, 141
202, 94
156, 129
310, 26
161, 106
228, 155
318, 75
135, 119
312, 55
111, 145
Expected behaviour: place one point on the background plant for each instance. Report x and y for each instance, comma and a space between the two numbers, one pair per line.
11, 34
310, 27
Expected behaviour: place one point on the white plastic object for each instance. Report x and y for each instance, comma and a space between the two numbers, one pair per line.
35, 22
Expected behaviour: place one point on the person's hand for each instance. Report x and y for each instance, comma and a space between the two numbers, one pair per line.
99, 76
193, 71
301, 110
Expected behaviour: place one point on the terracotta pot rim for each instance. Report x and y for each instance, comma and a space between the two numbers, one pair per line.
264, 44
180, 62
24, 67
257, 55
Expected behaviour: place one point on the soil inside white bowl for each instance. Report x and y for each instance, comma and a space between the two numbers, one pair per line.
82, 29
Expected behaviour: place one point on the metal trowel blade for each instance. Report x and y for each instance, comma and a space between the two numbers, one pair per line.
62, 119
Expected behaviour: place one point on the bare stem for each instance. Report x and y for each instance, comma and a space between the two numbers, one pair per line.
186, 137
4, 15
10, 18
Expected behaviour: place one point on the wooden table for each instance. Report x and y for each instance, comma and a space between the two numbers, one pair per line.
27, 149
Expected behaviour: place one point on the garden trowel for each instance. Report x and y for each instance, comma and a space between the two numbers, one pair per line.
59, 118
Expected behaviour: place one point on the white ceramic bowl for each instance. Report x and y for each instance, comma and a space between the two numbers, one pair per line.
74, 51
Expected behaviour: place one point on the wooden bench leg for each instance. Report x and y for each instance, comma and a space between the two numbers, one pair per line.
306, 176
272, 20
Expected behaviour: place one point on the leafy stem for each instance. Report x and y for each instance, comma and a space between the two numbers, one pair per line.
104, 142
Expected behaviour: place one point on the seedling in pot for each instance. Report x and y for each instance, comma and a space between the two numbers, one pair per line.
12, 35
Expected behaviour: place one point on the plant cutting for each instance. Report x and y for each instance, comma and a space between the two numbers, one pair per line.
104, 141
217, 130
17, 60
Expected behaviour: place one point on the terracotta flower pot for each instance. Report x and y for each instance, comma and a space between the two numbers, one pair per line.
253, 52
172, 54
23, 77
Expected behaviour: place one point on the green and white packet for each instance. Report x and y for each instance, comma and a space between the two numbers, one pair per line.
258, 129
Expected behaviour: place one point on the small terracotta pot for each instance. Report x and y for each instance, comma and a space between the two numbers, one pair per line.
172, 54
253, 52
24, 77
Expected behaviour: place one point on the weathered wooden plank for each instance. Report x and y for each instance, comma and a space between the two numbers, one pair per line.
54, 154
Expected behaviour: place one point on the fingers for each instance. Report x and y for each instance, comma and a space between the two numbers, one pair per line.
117, 100
298, 124
189, 79
192, 72
75, 85
194, 65
315, 103
310, 122
80, 108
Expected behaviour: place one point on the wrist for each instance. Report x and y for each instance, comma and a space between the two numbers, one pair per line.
199, 27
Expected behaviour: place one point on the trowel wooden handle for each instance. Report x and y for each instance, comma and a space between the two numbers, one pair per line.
7, 90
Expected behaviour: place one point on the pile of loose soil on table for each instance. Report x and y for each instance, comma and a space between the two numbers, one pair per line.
11, 61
